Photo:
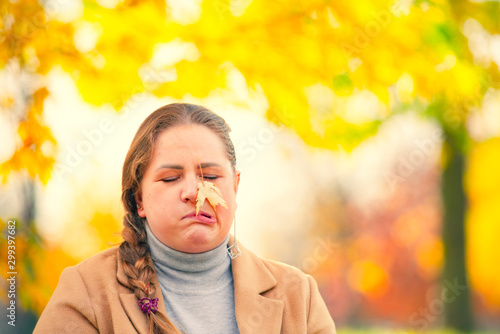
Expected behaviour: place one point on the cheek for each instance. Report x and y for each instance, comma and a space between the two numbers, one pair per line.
229, 196
158, 191
150, 198
231, 202
157, 199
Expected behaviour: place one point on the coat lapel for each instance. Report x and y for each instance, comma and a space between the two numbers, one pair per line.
129, 301
254, 312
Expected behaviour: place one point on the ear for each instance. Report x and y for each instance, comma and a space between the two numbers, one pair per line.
140, 204
236, 181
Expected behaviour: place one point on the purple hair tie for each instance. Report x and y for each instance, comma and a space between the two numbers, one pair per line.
148, 305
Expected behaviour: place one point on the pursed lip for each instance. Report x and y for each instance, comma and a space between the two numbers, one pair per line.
203, 217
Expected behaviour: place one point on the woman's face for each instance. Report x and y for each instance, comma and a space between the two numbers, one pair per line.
167, 197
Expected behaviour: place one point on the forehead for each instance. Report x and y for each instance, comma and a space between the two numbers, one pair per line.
185, 143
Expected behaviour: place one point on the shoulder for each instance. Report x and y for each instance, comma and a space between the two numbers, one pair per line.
90, 282
278, 275
86, 298
285, 273
106, 257
99, 268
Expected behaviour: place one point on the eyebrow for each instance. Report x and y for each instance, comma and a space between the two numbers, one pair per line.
203, 165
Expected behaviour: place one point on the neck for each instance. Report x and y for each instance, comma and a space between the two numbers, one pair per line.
200, 270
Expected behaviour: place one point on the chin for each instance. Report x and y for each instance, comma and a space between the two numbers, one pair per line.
201, 241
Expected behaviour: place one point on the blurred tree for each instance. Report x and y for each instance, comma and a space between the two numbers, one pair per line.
314, 61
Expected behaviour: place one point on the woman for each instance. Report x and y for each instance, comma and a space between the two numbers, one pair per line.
172, 272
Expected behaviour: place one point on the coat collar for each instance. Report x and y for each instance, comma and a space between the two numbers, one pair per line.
254, 312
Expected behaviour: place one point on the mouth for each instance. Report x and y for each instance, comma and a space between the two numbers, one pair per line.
202, 217
204, 214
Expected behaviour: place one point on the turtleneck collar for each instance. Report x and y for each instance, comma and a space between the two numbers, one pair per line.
202, 271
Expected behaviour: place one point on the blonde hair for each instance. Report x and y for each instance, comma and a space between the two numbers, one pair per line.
134, 250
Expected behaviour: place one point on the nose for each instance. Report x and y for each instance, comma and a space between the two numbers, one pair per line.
189, 190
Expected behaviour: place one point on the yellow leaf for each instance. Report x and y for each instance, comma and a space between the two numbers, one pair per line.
208, 190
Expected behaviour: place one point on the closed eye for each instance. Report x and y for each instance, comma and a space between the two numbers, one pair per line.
170, 179
175, 178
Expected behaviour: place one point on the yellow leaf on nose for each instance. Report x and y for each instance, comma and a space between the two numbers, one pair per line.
208, 190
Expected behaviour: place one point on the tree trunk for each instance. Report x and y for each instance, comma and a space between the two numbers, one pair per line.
457, 312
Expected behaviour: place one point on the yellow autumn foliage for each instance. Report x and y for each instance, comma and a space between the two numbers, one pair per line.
36, 145
281, 46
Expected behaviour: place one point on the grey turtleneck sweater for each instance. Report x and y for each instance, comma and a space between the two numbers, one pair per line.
198, 289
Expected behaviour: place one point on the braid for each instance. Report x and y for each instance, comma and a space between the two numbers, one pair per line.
139, 268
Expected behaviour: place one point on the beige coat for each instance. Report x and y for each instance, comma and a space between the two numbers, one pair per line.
270, 297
